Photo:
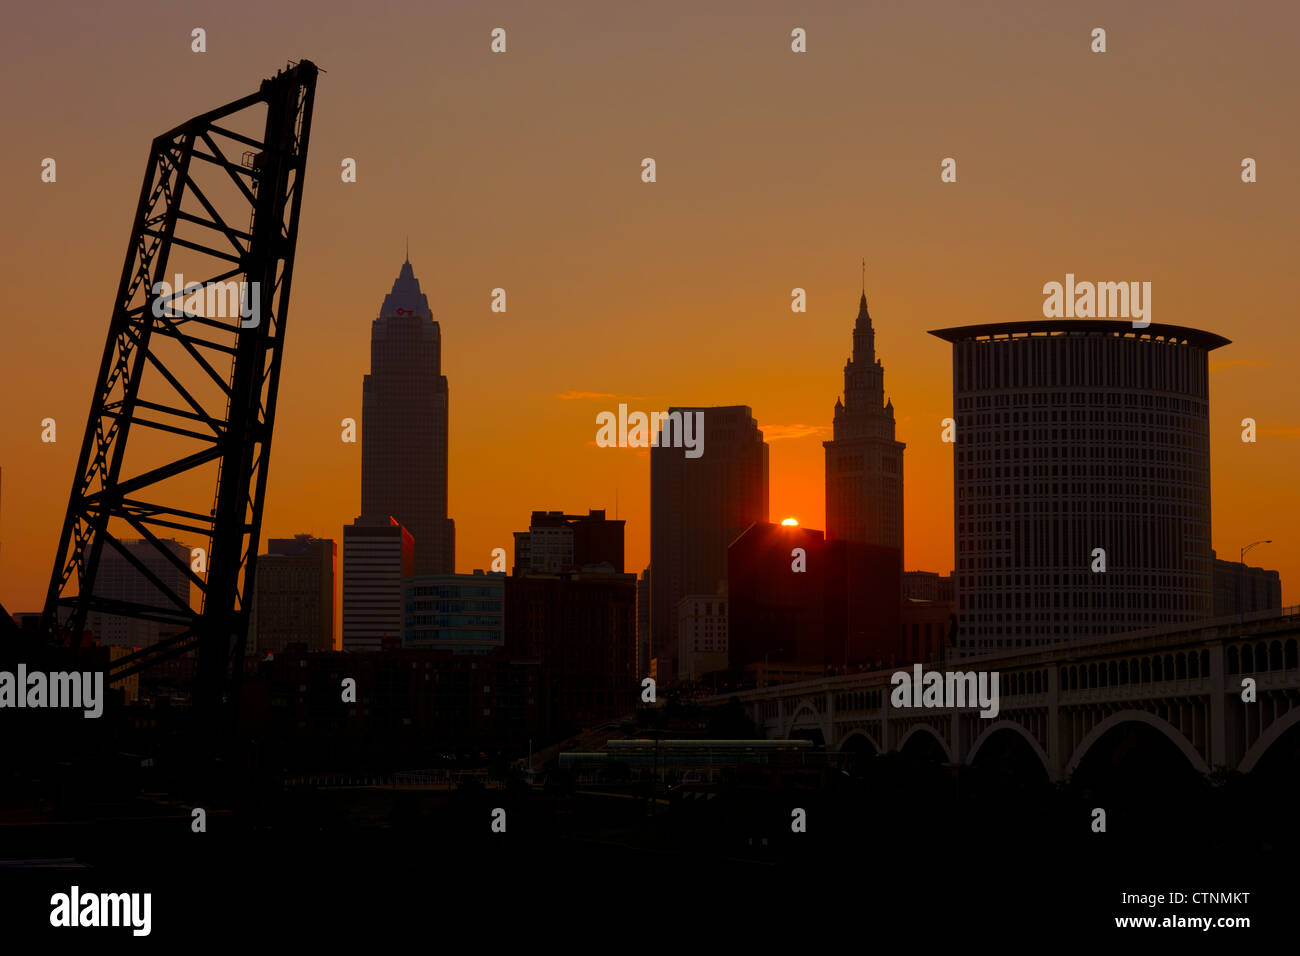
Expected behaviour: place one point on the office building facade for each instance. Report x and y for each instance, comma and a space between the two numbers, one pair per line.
581, 628
701, 635
119, 579
377, 555
834, 604
698, 506
1079, 441
293, 598
461, 613
404, 404
556, 542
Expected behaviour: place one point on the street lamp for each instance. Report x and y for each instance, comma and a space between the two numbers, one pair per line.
1241, 611
1251, 545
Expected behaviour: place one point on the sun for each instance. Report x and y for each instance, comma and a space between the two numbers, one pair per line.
790, 522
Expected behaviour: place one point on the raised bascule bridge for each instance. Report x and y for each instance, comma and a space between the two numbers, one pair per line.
178, 439
1186, 683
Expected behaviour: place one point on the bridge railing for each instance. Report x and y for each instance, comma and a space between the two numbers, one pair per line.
1046, 655
1148, 636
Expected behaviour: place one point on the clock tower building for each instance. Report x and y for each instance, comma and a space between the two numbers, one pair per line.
864, 462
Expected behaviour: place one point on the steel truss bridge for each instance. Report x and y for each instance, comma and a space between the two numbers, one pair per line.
219, 205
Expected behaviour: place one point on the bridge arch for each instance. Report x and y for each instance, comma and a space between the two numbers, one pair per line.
1266, 740
804, 706
860, 733
1141, 717
1011, 725
926, 728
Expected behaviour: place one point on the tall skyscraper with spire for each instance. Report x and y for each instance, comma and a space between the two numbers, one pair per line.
864, 463
404, 426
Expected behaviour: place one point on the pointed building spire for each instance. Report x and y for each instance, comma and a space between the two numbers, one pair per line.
862, 304
864, 460
408, 248
406, 297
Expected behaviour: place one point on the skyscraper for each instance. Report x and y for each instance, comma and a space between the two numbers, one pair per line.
864, 463
121, 580
293, 602
1075, 435
404, 425
698, 506
378, 553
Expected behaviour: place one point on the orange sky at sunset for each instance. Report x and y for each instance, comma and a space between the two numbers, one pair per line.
775, 171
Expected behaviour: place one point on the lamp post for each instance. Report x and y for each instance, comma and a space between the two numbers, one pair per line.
1241, 611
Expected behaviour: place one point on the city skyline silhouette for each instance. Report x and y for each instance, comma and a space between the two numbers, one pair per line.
597, 287
965, 591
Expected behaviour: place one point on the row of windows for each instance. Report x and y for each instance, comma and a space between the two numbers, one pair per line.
1094, 465
1187, 406
1146, 670
449, 606
454, 620
1111, 524
1075, 441
1093, 455
1091, 411
1178, 507
1093, 361
1097, 600
454, 591
854, 464
1144, 544
1047, 579
1250, 659
1080, 624
987, 643
1190, 492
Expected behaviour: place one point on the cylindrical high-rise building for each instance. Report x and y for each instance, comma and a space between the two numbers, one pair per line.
1074, 438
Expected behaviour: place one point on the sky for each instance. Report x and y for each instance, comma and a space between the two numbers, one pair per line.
775, 170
